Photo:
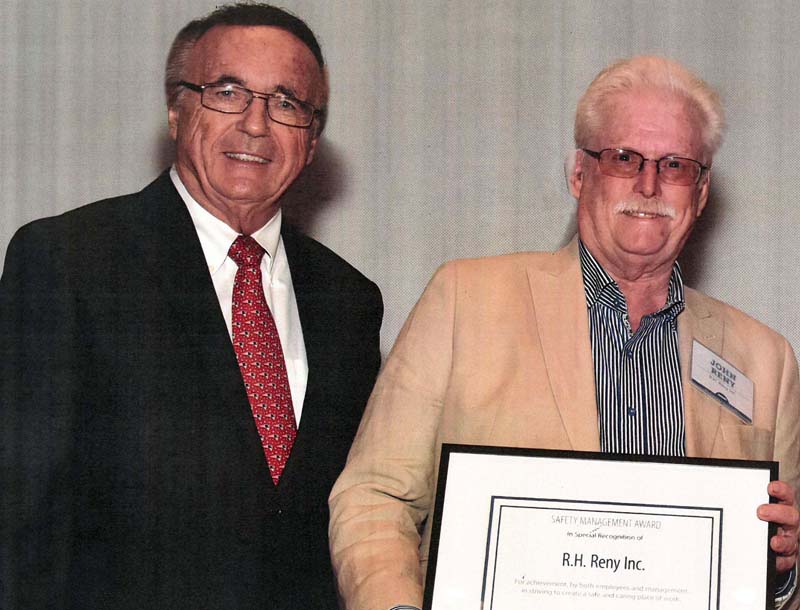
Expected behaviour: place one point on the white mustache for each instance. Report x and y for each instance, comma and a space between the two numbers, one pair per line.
656, 207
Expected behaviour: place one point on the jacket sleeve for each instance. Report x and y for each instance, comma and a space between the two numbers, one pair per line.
787, 424
787, 443
39, 362
383, 496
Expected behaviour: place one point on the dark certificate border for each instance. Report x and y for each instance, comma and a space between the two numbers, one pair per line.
441, 490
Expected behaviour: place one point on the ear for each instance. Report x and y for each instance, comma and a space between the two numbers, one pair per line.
312, 149
702, 195
172, 121
575, 176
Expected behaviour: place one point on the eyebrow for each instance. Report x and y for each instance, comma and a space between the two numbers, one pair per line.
289, 92
673, 154
229, 79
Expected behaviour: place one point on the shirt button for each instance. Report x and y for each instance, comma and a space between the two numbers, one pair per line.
631, 411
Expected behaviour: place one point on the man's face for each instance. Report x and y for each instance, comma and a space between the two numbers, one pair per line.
639, 225
238, 165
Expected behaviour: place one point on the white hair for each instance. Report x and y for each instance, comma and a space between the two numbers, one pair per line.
649, 73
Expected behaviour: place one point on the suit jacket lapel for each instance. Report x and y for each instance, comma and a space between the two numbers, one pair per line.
315, 312
563, 327
562, 324
702, 413
171, 253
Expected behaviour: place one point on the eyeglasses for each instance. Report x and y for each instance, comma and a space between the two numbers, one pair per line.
235, 99
623, 163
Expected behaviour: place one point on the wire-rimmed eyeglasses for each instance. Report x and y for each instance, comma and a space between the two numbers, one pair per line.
623, 163
230, 98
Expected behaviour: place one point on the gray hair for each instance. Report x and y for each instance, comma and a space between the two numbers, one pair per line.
243, 14
649, 73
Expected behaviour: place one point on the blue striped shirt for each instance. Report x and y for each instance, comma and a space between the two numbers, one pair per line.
637, 374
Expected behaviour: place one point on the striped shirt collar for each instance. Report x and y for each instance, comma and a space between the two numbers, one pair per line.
601, 288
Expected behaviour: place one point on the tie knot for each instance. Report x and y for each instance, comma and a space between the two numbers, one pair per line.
246, 252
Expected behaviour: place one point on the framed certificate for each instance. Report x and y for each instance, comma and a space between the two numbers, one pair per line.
525, 529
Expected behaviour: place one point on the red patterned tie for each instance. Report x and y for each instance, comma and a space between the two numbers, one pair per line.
258, 350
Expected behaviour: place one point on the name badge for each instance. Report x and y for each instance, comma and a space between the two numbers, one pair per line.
722, 380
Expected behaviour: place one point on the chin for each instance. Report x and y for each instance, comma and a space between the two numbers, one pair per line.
644, 240
248, 190
644, 247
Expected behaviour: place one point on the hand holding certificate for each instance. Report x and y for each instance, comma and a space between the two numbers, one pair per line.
525, 529
784, 514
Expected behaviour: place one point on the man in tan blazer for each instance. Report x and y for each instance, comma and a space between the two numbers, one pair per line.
509, 350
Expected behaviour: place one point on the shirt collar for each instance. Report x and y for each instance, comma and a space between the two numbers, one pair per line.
216, 236
601, 287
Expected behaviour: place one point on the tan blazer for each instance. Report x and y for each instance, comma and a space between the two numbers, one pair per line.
497, 352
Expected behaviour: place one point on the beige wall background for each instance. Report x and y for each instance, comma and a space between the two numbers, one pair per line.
449, 123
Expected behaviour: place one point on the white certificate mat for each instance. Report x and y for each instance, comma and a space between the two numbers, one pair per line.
608, 555
518, 529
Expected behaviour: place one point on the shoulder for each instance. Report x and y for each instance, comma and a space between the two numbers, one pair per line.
69, 252
492, 285
736, 322
90, 226
505, 269
313, 263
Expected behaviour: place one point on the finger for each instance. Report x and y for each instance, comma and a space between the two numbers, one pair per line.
784, 564
785, 516
782, 492
784, 545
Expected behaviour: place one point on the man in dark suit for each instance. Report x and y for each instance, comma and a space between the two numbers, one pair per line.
183, 373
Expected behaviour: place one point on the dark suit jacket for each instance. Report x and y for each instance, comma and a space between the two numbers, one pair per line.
132, 472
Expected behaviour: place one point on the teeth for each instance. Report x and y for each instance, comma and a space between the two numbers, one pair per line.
652, 209
636, 214
246, 157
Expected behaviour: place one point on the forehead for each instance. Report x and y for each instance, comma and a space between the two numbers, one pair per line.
261, 57
652, 123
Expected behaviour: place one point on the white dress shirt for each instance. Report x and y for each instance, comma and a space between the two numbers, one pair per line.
216, 238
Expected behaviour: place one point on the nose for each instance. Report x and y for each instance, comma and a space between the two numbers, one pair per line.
647, 183
254, 120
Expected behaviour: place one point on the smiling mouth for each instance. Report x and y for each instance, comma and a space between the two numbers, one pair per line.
246, 157
651, 210
641, 214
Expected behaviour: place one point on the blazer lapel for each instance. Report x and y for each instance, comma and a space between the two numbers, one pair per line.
172, 255
562, 324
315, 312
701, 412
563, 327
